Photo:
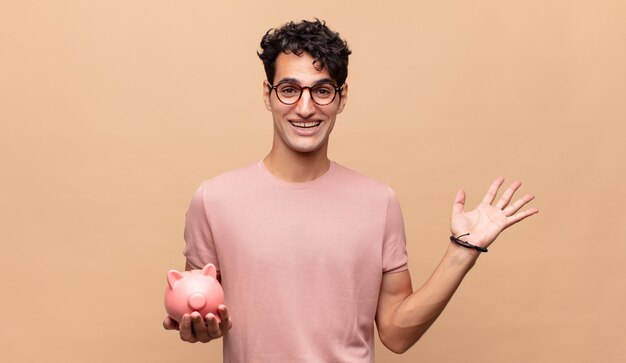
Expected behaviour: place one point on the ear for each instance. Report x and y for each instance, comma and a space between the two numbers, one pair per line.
267, 94
344, 97
209, 270
172, 277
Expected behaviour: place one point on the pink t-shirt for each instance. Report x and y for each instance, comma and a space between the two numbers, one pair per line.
301, 263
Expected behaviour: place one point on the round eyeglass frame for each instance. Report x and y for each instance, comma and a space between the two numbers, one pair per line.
302, 88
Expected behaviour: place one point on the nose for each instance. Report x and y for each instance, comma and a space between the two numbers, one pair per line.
305, 107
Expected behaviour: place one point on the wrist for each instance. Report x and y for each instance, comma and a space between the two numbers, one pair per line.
461, 257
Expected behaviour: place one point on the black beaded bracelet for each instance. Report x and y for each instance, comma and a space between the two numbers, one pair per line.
466, 244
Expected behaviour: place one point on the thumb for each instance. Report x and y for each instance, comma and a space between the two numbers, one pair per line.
170, 324
459, 202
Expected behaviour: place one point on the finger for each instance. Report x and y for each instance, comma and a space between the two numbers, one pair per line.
170, 324
226, 322
521, 216
513, 208
186, 334
508, 195
212, 326
199, 327
459, 203
493, 190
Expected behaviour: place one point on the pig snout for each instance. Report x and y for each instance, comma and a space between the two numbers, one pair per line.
196, 301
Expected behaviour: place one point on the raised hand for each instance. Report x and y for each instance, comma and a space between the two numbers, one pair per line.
487, 221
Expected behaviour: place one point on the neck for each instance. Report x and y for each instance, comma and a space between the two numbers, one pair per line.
295, 167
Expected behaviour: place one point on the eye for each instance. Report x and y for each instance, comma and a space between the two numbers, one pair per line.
324, 91
288, 89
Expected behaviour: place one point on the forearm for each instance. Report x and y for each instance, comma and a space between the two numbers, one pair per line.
417, 312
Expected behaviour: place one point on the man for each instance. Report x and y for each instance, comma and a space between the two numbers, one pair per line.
310, 253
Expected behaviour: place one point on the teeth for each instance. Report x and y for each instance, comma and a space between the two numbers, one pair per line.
306, 124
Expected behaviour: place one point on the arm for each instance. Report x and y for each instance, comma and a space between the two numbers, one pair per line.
194, 328
403, 316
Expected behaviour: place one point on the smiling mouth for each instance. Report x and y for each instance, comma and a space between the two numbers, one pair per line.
305, 125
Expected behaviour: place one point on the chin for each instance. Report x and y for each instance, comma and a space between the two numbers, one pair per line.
305, 149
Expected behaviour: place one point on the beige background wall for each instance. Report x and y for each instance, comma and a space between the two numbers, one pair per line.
112, 112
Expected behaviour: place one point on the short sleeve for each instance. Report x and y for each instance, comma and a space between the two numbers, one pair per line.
395, 258
199, 244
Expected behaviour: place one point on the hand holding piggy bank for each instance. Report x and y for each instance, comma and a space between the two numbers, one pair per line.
195, 290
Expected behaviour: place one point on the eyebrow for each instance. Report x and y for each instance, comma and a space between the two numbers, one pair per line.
294, 80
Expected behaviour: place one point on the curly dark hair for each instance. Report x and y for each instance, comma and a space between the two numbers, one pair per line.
313, 37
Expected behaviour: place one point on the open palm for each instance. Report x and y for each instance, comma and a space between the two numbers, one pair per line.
486, 221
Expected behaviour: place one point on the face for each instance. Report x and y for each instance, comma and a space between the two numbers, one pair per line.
305, 126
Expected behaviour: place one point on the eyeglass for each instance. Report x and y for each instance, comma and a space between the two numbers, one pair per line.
290, 93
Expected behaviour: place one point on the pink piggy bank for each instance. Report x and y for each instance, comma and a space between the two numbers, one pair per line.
195, 290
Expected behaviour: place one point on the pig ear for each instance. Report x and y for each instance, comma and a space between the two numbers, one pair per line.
209, 270
172, 277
